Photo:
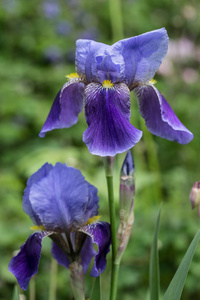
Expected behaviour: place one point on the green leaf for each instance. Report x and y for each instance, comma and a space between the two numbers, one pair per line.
154, 273
15, 293
96, 289
175, 288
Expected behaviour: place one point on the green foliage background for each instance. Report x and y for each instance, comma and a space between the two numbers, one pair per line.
36, 52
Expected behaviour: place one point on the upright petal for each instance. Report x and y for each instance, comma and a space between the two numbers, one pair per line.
98, 62
159, 116
25, 264
35, 178
107, 114
60, 199
142, 55
100, 234
93, 203
66, 107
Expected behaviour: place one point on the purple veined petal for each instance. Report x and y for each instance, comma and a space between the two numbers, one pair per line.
87, 253
66, 107
35, 178
107, 114
100, 234
25, 264
60, 256
142, 55
159, 116
60, 199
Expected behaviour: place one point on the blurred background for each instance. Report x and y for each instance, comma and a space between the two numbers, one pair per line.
37, 50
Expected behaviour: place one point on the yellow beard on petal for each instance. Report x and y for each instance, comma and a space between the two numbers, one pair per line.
72, 76
107, 84
152, 81
37, 227
93, 220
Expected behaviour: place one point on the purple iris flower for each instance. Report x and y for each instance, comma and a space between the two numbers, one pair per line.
105, 76
64, 206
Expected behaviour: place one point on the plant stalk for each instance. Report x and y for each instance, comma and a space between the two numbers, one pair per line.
109, 164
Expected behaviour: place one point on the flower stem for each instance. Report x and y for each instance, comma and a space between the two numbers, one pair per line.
32, 288
77, 280
116, 20
53, 280
108, 164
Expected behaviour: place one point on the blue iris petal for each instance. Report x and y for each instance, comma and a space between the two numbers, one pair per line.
25, 264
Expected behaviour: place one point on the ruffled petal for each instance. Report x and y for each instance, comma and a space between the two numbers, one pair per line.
25, 264
60, 256
60, 199
107, 114
34, 179
98, 62
66, 107
159, 116
142, 55
100, 234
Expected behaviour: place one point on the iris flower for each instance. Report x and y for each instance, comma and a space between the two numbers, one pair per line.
105, 76
63, 206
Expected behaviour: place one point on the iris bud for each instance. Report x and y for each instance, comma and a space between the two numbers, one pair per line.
126, 203
195, 195
127, 186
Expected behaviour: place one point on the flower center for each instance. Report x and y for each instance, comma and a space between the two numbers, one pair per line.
107, 84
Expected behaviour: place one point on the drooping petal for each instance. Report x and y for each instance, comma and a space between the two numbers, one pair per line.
100, 234
25, 264
142, 55
87, 253
34, 179
159, 116
107, 114
66, 107
60, 199
60, 256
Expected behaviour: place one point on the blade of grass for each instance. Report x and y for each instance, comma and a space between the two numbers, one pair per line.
154, 272
15, 293
176, 286
96, 289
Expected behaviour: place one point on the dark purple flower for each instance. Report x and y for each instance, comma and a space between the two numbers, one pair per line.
64, 206
105, 76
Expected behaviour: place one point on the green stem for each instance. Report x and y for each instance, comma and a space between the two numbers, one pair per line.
108, 164
53, 280
112, 215
116, 20
32, 288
